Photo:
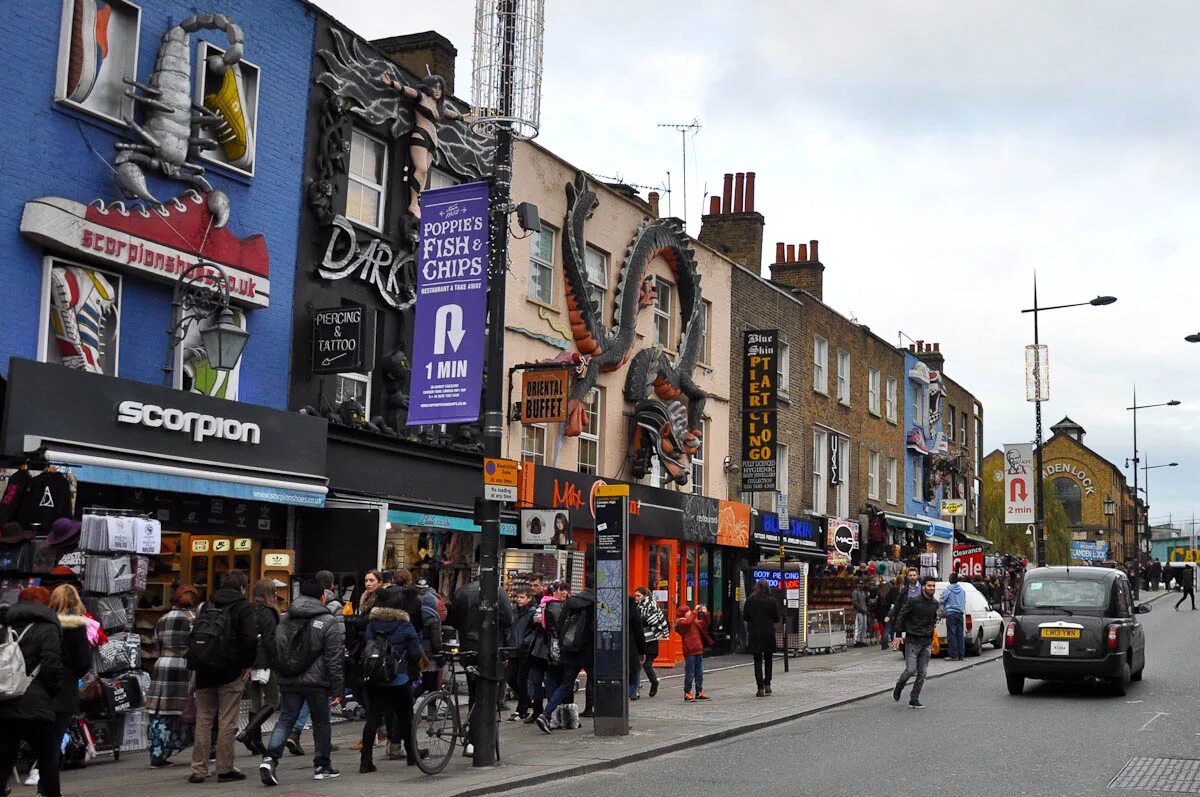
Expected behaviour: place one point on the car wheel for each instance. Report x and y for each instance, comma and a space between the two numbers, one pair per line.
977, 648
1120, 684
998, 642
1016, 683
1137, 676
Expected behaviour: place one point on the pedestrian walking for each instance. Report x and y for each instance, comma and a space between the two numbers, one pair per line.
334, 607
309, 657
858, 599
221, 647
692, 627
391, 655
886, 595
431, 641
262, 686
520, 639
29, 717
954, 600
655, 629
545, 654
77, 630
910, 588
1155, 572
761, 614
635, 646
1187, 581
576, 643
914, 626
170, 680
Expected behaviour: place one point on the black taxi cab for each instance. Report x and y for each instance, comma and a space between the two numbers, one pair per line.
1075, 623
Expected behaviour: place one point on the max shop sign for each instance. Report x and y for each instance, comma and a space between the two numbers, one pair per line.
198, 425
343, 340
1075, 471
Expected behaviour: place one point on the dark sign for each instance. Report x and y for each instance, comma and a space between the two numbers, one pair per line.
341, 343
612, 663
760, 369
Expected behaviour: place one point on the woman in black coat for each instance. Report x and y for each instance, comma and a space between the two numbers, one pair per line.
30, 717
76, 655
761, 614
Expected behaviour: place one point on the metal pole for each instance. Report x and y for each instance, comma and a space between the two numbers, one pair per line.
484, 726
1136, 524
1039, 531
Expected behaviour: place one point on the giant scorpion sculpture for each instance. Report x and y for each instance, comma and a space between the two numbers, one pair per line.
656, 384
171, 117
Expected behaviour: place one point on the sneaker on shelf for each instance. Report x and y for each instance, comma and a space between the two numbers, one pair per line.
266, 771
89, 47
325, 773
232, 132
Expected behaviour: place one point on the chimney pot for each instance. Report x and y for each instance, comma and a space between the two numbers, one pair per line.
779, 252
920, 345
912, 348
937, 347
749, 192
812, 250
739, 191
654, 204
791, 253
727, 193
714, 204
802, 252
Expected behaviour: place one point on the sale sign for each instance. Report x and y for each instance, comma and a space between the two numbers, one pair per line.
1019, 483
968, 561
452, 275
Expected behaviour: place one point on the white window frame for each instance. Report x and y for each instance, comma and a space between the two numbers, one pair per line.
843, 487
537, 263
784, 375
590, 436
820, 463
843, 377
698, 462
380, 188
705, 340
962, 428
873, 475
821, 365
893, 469
893, 388
918, 479
873, 391
538, 433
664, 314
360, 377
440, 179
953, 423
597, 289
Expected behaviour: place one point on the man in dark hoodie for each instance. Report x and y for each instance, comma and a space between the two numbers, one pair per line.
220, 675
520, 639
30, 717
309, 660
577, 649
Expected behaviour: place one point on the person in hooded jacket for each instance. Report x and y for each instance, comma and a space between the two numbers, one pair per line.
692, 627
392, 623
544, 652
520, 639
954, 601
571, 661
263, 686
30, 717
323, 676
219, 689
76, 656
431, 640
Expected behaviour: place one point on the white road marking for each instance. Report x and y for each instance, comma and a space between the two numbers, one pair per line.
1152, 719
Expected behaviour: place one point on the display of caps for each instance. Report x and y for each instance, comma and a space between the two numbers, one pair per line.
64, 530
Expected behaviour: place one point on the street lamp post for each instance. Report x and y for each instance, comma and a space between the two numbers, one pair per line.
1137, 525
1039, 499
1146, 490
201, 293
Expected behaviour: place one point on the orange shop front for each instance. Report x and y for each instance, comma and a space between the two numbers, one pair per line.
684, 547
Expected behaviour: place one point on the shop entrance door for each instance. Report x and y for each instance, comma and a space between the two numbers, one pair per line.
661, 580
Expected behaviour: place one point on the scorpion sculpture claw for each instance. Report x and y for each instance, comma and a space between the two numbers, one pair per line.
166, 135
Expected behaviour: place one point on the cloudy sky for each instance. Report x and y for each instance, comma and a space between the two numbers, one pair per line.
941, 152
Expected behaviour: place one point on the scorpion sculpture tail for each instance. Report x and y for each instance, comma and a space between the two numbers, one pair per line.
166, 131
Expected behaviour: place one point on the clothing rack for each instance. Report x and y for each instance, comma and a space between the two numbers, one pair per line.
104, 511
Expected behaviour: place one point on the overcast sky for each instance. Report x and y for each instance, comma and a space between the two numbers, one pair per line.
941, 153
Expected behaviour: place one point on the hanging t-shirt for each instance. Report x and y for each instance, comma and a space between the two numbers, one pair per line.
47, 498
929, 562
14, 492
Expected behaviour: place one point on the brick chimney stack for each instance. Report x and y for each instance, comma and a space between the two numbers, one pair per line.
416, 51
798, 267
930, 354
732, 226
654, 204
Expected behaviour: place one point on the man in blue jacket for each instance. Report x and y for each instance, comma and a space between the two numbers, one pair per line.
954, 600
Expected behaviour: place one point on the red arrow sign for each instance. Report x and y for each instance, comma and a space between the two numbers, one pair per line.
1016, 490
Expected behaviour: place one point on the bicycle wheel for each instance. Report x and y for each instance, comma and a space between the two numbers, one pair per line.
435, 732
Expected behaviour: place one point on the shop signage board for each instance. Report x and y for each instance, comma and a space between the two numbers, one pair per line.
968, 560
499, 479
1020, 483
342, 341
544, 396
954, 507
843, 540
612, 564
543, 527
796, 535
760, 370
1089, 551
452, 278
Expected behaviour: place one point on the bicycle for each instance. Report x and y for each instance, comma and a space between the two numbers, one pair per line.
438, 729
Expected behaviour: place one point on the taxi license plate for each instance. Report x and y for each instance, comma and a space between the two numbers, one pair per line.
1060, 633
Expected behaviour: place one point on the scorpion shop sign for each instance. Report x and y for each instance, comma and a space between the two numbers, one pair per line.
342, 340
760, 365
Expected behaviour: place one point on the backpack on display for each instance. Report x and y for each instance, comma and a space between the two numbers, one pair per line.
13, 678
380, 665
211, 644
576, 631
294, 652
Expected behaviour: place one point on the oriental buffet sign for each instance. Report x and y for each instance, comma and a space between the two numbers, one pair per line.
1072, 470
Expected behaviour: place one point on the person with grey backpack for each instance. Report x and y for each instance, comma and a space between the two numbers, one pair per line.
30, 676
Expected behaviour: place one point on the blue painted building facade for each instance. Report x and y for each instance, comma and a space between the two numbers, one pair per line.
925, 447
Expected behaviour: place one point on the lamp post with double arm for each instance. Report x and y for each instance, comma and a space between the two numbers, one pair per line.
1137, 521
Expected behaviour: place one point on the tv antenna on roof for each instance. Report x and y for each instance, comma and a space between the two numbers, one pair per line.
693, 127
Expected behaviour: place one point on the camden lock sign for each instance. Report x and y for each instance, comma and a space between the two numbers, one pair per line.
342, 340
760, 365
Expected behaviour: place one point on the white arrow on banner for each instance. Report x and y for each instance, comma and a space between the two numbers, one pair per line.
447, 326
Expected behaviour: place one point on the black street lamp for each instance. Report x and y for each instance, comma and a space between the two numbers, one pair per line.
1137, 523
202, 293
1110, 508
1039, 499
1195, 338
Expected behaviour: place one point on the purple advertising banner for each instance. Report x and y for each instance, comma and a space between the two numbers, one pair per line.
448, 343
